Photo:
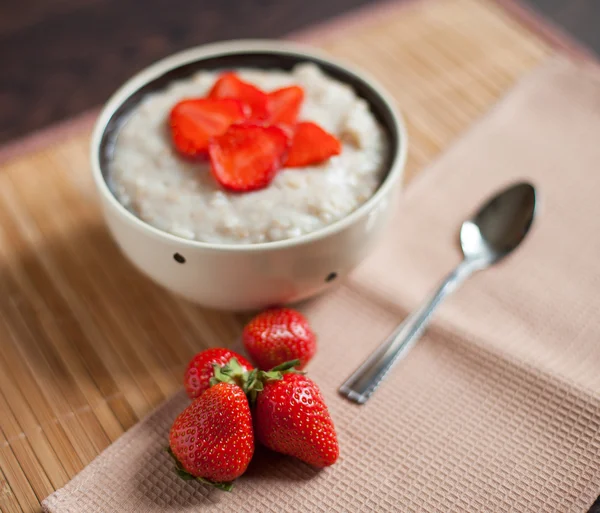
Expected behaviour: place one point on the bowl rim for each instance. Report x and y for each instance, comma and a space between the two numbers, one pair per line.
232, 47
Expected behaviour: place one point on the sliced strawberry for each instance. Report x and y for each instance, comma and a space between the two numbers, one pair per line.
247, 157
229, 85
285, 104
311, 145
194, 122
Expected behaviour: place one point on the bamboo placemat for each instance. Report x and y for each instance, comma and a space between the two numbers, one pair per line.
87, 345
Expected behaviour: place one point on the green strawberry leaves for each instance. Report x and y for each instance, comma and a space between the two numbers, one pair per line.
232, 373
286, 367
186, 476
255, 379
252, 382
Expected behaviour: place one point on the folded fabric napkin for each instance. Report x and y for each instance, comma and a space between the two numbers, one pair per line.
497, 408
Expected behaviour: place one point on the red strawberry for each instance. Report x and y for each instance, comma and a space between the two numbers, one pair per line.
194, 122
291, 417
212, 439
200, 370
247, 157
278, 335
311, 145
285, 104
229, 85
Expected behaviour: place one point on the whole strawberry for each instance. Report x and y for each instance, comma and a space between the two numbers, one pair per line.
212, 439
200, 370
291, 417
278, 335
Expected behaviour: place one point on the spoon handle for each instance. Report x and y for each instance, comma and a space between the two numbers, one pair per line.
365, 380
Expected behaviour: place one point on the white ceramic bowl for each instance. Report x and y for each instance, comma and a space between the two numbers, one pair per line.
247, 276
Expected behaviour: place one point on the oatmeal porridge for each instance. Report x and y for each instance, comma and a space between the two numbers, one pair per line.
180, 196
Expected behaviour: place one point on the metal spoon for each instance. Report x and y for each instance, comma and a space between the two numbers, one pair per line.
496, 230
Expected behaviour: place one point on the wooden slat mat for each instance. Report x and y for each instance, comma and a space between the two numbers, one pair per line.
87, 345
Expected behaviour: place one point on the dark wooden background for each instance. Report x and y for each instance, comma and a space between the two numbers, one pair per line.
59, 58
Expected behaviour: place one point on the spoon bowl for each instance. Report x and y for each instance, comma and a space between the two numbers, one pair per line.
500, 225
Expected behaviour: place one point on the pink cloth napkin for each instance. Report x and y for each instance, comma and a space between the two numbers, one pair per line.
497, 408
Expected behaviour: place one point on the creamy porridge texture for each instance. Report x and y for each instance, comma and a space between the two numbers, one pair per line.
181, 197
